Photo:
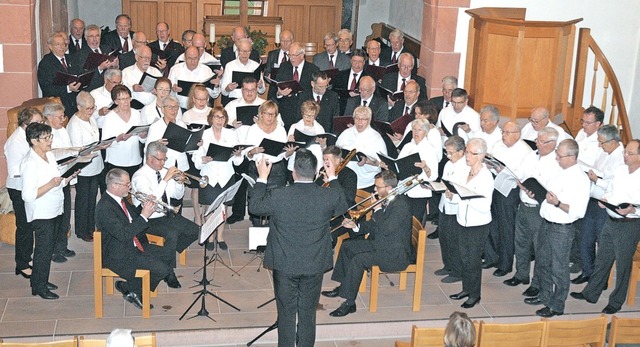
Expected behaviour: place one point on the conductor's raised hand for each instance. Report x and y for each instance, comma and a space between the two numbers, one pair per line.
264, 168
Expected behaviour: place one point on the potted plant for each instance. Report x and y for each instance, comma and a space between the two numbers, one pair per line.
258, 38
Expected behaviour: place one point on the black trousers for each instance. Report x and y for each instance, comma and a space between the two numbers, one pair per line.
45, 231
178, 233
85, 205
470, 241
61, 240
24, 231
506, 208
297, 297
449, 232
354, 258
153, 258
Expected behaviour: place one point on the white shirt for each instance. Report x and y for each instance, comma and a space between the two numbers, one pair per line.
201, 73
448, 118
433, 136
427, 154
156, 131
205, 58
624, 187
605, 166
513, 156
531, 134
218, 172
543, 169
236, 65
37, 172
255, 135
152, 112
453, 172
589, 149
145, 181
102, 98
369, 142
196, 116
571, 186
477, 211
356, 77
83, 133
315, 148
490, 139
123, 153
131, 76
15, 149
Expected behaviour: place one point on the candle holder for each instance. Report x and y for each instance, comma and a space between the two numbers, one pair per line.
277, 44
213, 44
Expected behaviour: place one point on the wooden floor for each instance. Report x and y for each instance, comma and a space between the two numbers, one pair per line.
25, 317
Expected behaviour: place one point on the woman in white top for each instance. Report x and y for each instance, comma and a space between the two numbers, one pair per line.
199, 109
152, 112
124, 153
170, 107
428, 112
83, 131
220, 174
308, 126
473, 217
43, 197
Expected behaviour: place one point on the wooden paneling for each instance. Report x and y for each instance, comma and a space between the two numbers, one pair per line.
293, 19
311, 19
144, 16
321, 22
207, 8
180, 15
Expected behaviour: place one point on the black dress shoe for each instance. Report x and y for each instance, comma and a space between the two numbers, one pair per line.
470, 302
512, 282
459, 296
533, 301
135, 300
343, 310
451, 279
580, 296
51, 286
580, 279
234, 219
546, 312
531, 291
223, 245
486, 265
500, 273
172, 281
58, 258
23, 274
439, 272
67, 253
122, 288
87, 238
331, 293
45, 294
610, 310
434, 235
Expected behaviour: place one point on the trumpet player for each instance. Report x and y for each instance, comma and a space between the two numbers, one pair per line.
159, 183
388, 245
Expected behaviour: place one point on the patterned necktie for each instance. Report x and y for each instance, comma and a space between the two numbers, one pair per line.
284, 58
296, 77
64, 64
404, 84
354, 82
159, 178
393, 59
125, 46
77, 45
331, 61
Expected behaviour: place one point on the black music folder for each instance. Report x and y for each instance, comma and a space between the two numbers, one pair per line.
75, 167
214, 66
245, 114
341, 124
292, 84
135, 104
95, 59
219, 153
187, 85
397, 126
456, 129
138, 129
272, 147
357, 157
393, 95
238, 76
613, 207
331, 75
301, 137
403, 167
463, 193
531, 144
538, 190
64, 79
181, 139
148, 82
377, 72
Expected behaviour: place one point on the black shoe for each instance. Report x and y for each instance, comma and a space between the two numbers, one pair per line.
451, 279
210, 246
500, 273
135, 300
580, 296
234, 219
121, 287
440, 272
546, 312
172, 281
23, 274
331, 293
434, 235
86, 238
610, 310
58, 258
459, 296
512, 282
51, 286
575, 268
343, 310
531, 291
470, 302
223, 245
580, 279
46, 294
486, 265
533, 301
68, 253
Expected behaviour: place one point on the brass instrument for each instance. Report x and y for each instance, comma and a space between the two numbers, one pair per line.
160, 206
344, 163
403, 186
186, 178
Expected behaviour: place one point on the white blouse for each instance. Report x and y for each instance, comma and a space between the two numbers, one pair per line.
83, 133
123, 153
218, 172
36, 172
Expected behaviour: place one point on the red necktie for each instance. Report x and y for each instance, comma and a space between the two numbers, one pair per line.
393, 59
296, 77
318, 99
77, 45
354, 82
284, 58
125, 46
136, 242
406, 110
64, 64
331, 61
404, 84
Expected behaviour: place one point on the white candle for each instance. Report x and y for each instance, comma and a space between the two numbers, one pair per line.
278, 29
212, 33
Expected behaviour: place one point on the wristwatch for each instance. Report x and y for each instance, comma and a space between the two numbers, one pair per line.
558, 204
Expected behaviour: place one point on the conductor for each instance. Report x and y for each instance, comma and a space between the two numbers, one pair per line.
299, 244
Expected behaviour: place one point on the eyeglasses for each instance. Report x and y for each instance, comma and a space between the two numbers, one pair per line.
170, 107
46, 138
128, 184
458, 102
471, 153
144, 58
630, 154
309, 115
123, 98
582, 122
603, 142
90, 108
360, 119
296, 54
538, 141
562, 156
159, 159
536, 121
218, 117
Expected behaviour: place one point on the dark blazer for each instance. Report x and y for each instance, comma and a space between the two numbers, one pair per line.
72, 44
112, 40
348, 181
379, 107
390, 81
390, 235
342, 61
227, 55
171, 52
47, 69
438, 102
272, 59
127, 59
387, 54
329, 108
299, 241
287, 104
341, 86
382, 62
79, 59
397, 111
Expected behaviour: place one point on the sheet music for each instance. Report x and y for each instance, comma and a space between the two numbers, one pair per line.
214, 220
225, 196
504, 183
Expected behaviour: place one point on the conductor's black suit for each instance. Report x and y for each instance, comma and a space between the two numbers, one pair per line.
298, 251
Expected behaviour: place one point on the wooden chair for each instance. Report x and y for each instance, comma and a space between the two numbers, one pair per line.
100, 272
634, 278
361, 195
511, 334
624, 330
65, 343
12, 113
418, 240
424, 337
590, 332
142, 341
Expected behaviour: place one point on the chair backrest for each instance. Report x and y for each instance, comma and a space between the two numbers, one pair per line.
146, 340
65, 343
418, 242
12, 113
624, 330
97, 251
427, 337
511, 334
91, 343
590, 332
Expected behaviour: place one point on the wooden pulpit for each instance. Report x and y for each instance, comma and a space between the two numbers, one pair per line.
516, 64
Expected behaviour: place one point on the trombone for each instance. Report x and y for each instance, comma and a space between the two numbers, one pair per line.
186, 178
160, 206
342, 165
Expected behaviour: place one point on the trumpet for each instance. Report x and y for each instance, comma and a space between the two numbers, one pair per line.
160, 206
186, 178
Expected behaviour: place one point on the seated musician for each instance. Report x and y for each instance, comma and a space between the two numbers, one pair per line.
158, 183
388, 244
124, 244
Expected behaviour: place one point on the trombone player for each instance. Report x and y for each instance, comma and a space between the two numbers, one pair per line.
388, 245
158, 183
